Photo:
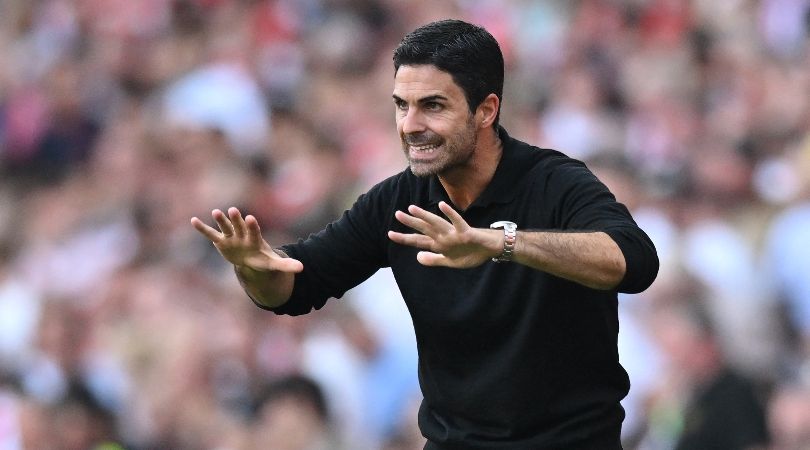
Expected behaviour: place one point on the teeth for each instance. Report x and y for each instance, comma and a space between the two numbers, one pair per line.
424, 148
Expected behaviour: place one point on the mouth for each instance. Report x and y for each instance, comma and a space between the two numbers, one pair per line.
422, 151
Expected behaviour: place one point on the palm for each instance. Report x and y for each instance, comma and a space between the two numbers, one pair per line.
462, 261
240, 242
242, 252
450, 243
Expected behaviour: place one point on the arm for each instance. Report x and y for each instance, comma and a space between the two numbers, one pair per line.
266, 275
268, 288
324, 265
589, 258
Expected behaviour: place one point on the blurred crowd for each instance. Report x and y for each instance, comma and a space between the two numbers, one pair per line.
121, 328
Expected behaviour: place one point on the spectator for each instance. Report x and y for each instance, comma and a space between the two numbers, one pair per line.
293, 415
717, 406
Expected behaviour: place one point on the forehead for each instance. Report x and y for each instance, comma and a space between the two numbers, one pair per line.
417, 81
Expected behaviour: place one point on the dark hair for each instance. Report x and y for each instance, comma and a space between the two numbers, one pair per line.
466, 51
299, 387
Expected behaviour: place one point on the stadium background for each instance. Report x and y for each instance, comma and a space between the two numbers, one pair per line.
119, 120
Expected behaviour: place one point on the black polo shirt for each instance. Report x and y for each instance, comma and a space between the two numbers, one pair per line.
509, 357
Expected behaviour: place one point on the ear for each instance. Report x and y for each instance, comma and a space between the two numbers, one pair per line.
487, 111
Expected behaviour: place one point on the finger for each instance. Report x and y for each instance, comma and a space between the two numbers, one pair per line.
254, 232
239, 228
432, 259
209, 232
223, 222
412, 222
412, 240
427, 216
455, 218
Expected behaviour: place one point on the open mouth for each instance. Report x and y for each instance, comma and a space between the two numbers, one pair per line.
424, 149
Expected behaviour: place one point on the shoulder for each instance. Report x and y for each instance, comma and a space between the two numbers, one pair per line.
537, 160
553, 167
551, 176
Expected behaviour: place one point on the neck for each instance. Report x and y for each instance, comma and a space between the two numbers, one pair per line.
465, 183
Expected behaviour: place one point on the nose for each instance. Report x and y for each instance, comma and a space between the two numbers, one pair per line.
412, 122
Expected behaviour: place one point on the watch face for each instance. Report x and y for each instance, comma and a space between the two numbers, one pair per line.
504, 224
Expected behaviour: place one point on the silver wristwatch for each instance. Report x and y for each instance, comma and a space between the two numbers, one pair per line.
509, 238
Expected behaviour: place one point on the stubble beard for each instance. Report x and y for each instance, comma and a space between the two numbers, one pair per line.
456, 151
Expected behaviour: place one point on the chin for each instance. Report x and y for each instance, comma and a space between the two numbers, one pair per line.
425, 170
421, 172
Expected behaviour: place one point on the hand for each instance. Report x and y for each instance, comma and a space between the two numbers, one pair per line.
240, 242
450, 243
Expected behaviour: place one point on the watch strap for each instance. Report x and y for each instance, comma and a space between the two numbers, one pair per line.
509, 239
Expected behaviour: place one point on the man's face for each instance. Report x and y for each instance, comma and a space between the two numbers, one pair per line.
435, 125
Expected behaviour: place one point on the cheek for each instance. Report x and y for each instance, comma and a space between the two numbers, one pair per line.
400, 132
399, 121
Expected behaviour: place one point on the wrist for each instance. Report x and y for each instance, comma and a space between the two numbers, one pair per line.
508, 240
246, 272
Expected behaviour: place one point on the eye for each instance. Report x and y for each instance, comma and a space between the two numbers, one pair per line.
433, 106
400, 104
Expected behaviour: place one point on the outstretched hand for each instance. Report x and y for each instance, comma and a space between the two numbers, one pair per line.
240, 242
450, 243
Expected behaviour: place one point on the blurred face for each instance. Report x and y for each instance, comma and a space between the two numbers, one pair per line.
434, 122
288, 423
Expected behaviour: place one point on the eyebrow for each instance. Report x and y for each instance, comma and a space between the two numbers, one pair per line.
423, 100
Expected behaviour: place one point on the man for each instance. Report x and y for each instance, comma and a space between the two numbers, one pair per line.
724, 408
509, 258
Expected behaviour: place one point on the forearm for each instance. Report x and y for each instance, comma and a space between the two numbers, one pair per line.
268, 288
592, 259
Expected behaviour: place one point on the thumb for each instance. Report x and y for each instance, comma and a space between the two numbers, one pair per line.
286, 265
431, 259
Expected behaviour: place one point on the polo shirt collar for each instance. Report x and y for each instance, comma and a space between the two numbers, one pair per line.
501, 189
